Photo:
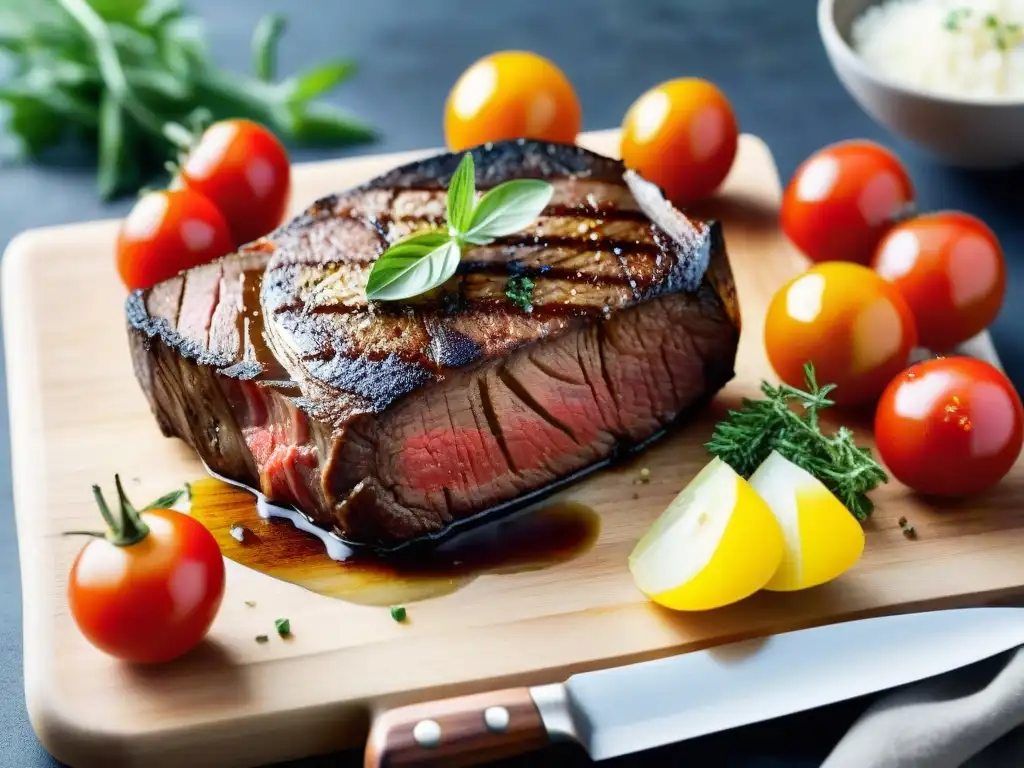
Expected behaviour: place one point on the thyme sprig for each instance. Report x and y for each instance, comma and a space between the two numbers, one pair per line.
786, 420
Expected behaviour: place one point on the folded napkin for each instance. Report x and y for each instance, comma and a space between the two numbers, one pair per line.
968, 717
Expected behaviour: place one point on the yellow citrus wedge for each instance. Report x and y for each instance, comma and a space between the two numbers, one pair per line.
716, 544
822, 538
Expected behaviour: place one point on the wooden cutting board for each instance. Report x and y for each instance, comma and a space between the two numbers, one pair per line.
77, 417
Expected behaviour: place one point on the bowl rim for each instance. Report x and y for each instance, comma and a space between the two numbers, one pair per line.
837, 45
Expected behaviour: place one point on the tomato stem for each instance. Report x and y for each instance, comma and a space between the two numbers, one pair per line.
129, 528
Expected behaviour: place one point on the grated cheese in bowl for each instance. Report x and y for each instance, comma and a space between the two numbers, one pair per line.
960, 48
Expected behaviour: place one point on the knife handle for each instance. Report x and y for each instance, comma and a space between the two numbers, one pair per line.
462, 731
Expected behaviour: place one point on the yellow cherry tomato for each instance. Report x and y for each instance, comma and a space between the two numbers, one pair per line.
681, 135
511, 95
850, 323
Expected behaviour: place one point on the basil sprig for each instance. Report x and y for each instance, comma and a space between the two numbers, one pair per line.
419, 263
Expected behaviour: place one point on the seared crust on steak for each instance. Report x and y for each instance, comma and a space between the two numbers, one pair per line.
391, 421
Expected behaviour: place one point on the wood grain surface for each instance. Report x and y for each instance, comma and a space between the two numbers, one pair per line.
77, 417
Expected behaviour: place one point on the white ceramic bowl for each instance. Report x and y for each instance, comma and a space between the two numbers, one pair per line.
963, 131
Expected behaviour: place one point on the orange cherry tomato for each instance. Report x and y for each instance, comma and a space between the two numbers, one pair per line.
950, 426
851, 324
681, 135
950, 269
843, 199
243, 169
166, 232
149, 591
511, 95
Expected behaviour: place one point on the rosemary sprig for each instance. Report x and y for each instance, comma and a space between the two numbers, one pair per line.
786, 420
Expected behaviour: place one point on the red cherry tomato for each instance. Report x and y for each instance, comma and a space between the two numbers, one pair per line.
149, 591
950, 269
843, 199
849, 322
167, 232
950, 426
243, 169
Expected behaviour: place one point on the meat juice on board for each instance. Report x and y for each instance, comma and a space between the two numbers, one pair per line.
282, 543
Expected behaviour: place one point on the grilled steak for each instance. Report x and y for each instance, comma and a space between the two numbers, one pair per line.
389, 422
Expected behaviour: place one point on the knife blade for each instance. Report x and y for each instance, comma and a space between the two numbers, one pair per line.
631, 708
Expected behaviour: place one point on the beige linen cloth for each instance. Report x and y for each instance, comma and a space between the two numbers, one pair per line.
972, 717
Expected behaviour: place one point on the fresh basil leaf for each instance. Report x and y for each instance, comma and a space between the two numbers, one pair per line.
507, 208
264, 46
166, 501
413, 267
461, 194
111, 156
318, 80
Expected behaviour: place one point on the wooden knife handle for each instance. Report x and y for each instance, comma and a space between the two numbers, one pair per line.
466, 730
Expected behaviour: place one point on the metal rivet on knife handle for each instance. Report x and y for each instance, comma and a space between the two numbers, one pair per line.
427, 734
466, 730
496, 719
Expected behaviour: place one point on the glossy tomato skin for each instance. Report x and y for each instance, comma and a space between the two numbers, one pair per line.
511, 95
843, 199
682, 135
850, 323
152, 601
244, 170
166, 232
949, 426
950, 269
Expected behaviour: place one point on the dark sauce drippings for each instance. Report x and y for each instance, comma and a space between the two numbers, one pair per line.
534, 539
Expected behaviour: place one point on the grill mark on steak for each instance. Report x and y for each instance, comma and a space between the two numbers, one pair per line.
506, 377
373, 381
493, 424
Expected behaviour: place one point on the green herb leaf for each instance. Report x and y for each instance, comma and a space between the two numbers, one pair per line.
262, 639
72, 61
166, 501
264, 46
157, 13
283, 626
461, 195
955, 19
112, 152
519, 290
325, 124
786, 420
318, 80
424, 262
398, 613
250, 603
508, 208
413, 267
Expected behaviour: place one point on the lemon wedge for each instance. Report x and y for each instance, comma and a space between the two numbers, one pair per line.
822, 538
717, 543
